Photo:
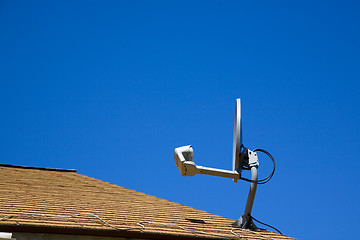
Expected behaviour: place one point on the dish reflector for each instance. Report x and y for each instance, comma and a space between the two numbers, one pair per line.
237, 138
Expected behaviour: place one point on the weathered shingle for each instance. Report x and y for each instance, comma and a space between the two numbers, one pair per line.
39, 193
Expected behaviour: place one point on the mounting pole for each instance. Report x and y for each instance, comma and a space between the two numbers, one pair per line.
245, 220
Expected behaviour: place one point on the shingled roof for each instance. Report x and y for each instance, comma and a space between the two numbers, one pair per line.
64, 202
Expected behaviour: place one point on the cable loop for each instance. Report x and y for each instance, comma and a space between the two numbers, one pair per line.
265, 180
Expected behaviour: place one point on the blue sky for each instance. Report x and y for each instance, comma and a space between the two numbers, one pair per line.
110, 88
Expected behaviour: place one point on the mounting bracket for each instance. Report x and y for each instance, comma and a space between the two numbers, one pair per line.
250, 161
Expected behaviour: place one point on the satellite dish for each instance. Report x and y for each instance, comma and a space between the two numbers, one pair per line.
243, 159
237, 138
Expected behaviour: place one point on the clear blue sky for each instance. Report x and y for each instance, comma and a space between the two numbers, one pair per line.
110, 88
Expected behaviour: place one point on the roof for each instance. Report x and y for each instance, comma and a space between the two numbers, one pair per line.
63, 201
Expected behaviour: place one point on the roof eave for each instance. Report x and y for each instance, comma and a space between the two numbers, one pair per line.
101, 232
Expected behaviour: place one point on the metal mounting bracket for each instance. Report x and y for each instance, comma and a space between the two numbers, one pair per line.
249, 161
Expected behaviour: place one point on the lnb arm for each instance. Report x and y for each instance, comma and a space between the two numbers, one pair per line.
185, 162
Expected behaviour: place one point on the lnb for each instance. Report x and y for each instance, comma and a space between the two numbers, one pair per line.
184, 160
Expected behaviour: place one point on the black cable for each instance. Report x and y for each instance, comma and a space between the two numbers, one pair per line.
266, 225
265, 180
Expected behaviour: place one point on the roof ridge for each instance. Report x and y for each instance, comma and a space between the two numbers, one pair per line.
38, 168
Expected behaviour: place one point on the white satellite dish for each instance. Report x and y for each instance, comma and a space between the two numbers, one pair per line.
237, 137
243, 159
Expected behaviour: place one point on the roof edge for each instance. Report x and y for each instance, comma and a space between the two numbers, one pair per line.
103, 232
38, 168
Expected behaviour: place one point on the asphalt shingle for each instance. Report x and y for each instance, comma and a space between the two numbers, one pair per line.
47, 198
